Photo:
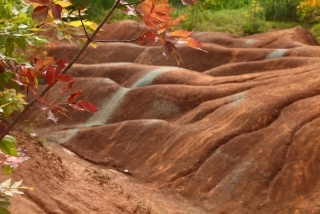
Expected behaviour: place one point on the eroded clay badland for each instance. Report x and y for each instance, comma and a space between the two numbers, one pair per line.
235, 131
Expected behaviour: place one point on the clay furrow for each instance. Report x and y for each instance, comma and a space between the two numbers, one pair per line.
288, 145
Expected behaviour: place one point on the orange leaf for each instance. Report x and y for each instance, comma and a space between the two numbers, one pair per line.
193, 43
154, 12
179, 33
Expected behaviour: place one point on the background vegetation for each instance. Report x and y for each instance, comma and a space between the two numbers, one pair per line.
238, 17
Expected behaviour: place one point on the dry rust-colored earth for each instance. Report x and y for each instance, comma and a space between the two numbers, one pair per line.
236, 131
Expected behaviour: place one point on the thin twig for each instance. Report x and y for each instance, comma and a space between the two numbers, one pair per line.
84, 28
86, 44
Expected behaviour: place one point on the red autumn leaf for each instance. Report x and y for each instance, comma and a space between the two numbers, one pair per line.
40, 12
41, 100
40, 1
61, 65
149, 37
65, 78
70, 84
52, 117
50, 75
83, 105
73, 96
56, 10
30, 79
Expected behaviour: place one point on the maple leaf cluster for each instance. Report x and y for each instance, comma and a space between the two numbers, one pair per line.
159, 24
154, 13
47, 70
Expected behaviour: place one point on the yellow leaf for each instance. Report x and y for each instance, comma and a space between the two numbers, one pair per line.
93, 26
78, 23
63, 3
93, 45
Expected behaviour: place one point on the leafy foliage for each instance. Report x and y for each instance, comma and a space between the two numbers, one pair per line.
154, 13
12, 159
254, 19
309, 12
7, 189
10, 101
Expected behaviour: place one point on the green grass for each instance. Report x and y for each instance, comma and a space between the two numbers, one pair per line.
231, 21
212, 21
284, 25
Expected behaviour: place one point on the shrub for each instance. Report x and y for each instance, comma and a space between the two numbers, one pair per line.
309, 11
255, 19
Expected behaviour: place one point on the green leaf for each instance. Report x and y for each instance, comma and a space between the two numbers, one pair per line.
4, 210
4, 202
21, 42
7, 169
2, 41
7, 145
9, 46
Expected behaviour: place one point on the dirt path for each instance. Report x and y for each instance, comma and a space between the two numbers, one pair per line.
67, 184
